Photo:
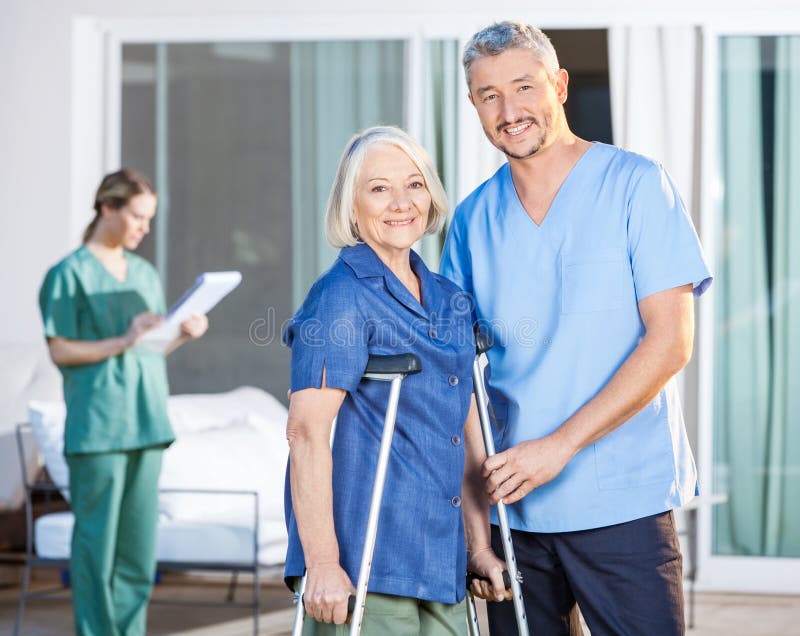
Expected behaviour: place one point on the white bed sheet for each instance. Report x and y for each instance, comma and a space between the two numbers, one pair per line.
201, 542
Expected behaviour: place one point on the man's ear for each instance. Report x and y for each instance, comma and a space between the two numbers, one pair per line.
561, 84
469, 95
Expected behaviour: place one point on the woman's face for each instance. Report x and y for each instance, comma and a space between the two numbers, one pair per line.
131, 223
391, 203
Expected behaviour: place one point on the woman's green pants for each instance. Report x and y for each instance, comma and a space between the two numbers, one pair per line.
114, 497
387, 615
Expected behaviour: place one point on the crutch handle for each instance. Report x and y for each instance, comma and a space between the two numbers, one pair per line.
404, 363
471, 576
483, 342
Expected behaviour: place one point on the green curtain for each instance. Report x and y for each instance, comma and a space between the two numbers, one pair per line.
782, 509
440, 126
742, 306
757, 347
338, 88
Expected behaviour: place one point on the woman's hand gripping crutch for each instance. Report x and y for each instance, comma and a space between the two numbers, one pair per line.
392, 369
512, 577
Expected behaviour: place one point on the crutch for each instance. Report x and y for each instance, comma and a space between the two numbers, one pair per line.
392, 369
514, 577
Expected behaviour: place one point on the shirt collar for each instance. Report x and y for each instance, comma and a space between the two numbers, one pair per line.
365, 264
362, 260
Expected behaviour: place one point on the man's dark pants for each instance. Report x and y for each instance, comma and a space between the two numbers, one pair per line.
627, 579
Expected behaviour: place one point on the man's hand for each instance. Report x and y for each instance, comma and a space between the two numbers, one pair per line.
514, 473
485, 563
327, 590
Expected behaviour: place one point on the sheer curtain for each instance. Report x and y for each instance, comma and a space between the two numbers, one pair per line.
652, 74
337, 89
782, 509
440, 127
741, 370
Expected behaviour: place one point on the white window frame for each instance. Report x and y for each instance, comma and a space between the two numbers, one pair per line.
96, 117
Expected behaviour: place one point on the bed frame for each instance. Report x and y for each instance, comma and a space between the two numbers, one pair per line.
32, 560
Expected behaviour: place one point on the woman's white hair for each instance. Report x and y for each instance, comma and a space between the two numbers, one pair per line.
340, 225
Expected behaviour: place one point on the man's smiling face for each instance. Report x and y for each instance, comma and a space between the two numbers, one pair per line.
520, 106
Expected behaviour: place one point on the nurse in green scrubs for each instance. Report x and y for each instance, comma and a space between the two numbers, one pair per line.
96, 305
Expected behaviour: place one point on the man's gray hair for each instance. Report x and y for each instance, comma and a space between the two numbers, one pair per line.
510, 34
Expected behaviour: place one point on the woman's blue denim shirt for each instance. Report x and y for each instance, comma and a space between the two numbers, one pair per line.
359, 308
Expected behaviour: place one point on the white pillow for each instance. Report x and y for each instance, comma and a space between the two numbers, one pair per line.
250, 454
47, 423
191, 413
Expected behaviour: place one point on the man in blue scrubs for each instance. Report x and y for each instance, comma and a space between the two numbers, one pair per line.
583, 263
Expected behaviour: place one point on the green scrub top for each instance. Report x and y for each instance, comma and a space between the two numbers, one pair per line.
121, 402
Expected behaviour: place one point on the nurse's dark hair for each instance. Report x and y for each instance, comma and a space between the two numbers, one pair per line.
115, 190
510, 34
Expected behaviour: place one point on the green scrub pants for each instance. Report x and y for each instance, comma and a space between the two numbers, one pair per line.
114, 497
386, 615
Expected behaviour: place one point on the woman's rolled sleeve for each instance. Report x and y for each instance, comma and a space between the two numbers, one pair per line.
327, 333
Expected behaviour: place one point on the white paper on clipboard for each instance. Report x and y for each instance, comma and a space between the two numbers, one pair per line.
200, 298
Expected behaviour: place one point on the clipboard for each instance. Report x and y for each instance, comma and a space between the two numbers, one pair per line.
208, 290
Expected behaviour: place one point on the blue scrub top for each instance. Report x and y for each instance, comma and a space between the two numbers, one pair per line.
356, 309
561, 300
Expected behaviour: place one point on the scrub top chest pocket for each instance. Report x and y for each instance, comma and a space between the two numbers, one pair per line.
594, 280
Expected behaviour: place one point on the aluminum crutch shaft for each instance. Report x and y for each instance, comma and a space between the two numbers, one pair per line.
375, 507
482, 399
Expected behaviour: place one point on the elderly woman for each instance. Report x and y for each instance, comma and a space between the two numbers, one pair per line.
379, 298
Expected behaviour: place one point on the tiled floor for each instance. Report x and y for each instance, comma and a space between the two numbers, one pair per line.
716, 614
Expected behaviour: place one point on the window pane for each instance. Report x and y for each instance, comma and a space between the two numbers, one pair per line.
757, 349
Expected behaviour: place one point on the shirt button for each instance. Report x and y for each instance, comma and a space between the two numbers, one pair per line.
452, 380
455, 501
455, 440
432, 333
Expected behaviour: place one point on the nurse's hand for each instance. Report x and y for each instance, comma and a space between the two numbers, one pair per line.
194, 326
140, 325
514, 473
327, 589
486, 564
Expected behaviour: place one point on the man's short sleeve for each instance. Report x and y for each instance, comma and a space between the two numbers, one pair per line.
455, 262
456, 266
59, 303
328, 332
663, 245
